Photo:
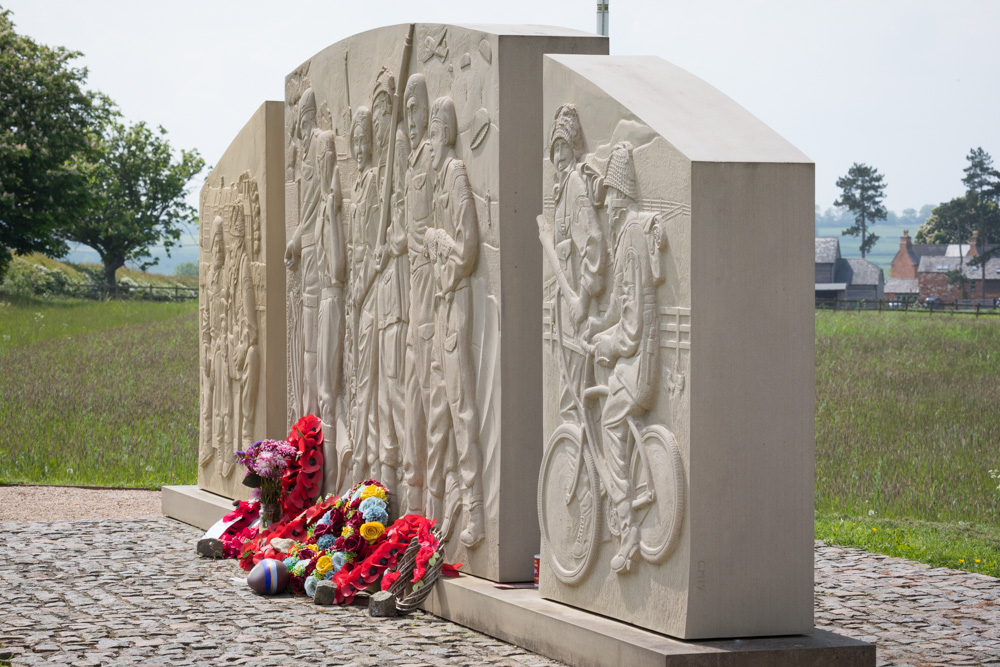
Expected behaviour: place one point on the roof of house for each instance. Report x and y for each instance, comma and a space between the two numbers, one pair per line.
902, 286
945, 264
858, 272
827, 249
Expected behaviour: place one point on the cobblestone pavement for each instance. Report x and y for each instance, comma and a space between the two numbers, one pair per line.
134, 592
915, 614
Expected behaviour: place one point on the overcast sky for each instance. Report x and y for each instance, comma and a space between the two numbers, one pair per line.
908, 86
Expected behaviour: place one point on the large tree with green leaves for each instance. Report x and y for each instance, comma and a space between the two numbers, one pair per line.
46, 118
138, 189
978, 210
862, 192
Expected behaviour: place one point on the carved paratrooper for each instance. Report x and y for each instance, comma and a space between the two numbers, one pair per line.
417, 216
454, 244
244, 359
626, 339
577, 244
362, 302
392, 280
316, 174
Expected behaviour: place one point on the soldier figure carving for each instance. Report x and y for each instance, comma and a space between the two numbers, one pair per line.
244, 359
453, 242
391, 265
362, 303
316, 175
626, 340
416, 215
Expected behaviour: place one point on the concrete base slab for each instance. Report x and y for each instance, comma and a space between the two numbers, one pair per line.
580, 638
194, 506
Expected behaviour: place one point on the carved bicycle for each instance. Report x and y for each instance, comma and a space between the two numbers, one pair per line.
574, 478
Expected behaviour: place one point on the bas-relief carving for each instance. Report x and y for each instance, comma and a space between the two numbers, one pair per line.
415, 394
610, 460
231, 317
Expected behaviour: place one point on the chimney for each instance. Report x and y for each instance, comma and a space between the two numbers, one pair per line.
973, 243
904, 241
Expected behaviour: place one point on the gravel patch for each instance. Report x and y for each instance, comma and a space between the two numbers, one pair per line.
70, 503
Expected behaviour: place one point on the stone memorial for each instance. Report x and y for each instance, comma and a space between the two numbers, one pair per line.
675, 490
241, 302
411, 273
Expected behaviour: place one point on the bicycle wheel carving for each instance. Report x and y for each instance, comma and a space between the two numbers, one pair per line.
569, 505
660, 521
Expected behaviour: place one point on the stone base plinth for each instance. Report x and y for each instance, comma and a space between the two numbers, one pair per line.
194, 506
581, 638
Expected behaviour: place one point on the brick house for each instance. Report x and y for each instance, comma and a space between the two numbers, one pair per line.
933, 279
920, 270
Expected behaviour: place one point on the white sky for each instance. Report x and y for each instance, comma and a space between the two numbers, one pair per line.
908, 86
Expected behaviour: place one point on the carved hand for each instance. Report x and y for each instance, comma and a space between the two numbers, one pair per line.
291, 255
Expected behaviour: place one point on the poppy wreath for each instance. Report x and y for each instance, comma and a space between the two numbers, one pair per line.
300, 483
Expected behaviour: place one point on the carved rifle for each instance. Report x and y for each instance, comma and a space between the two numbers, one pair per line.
385, 208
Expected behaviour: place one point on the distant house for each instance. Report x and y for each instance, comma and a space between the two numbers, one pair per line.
932, 276
920, 271
840, 278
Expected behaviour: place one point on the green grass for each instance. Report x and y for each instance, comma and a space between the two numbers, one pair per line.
907, 426
99, 393
27, 321
960, 546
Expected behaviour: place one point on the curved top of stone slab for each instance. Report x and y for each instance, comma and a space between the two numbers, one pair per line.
698, 119
500, 30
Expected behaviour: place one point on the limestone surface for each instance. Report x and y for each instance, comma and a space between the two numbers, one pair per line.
676, 486
410, 330
241, 312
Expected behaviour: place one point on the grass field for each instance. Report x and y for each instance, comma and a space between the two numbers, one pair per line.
907, 428
98, 393
907, 416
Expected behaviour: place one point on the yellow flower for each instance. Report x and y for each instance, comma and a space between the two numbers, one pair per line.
376, 491
324, 564
961, 560
346, 531
977, 560
371, 530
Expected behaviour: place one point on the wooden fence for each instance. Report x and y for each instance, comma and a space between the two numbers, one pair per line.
970, 307
146, 292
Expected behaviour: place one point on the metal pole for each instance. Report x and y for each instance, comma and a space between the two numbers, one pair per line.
602, 17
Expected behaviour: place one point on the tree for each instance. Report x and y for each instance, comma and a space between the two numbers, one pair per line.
138, 201
976, 211
862, 192
45, 119
186, 270
982, 190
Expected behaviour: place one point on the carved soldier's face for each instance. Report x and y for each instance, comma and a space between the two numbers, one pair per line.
416, 121
362, 147
218, 250
616, 205
438, 140
562, 154
381, 118
307, 125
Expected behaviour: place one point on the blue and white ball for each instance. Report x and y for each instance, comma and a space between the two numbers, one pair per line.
268, 577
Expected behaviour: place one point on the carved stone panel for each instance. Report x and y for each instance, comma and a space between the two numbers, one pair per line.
409, 287
242, 366
677, 407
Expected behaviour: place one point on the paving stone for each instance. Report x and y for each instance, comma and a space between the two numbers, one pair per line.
154, 601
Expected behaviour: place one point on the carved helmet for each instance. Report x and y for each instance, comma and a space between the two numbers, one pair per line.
237, 225
385, 82
566, 126
307, 105
416, 88
620, 174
